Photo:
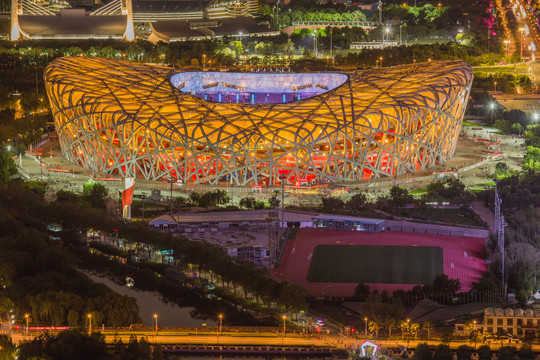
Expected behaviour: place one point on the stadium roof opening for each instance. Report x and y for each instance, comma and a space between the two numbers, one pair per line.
255, 88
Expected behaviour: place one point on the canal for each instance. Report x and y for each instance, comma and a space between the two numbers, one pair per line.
150, 303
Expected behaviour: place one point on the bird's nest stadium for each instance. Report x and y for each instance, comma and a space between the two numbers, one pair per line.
128, 119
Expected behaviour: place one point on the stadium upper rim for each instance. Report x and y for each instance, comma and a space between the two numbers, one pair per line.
124, 118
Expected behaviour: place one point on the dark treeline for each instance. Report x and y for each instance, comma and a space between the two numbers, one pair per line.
520, 196
25, 202
39, 278
466, 352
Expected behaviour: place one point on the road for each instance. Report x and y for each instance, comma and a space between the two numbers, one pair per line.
269, 339
529, 37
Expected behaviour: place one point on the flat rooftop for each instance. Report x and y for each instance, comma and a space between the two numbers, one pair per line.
262, 215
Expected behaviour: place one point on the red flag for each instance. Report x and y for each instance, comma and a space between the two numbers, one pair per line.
127, 195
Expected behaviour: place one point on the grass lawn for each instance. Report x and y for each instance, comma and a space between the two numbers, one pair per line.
482, 186
453, 216
495, 69
375, 264
472, 124
418, 192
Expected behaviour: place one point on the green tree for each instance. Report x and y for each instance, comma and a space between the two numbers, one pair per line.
357, 202
274, 201
7, 167
442, 285
400, 197
8, 351
484, 353
501, 170
332, 203
531, 161
361, 292
506, 353
464, 352
247, 202
423, 352
68, 344
526, 352
68, 197
95, 194
442, 352
428, 326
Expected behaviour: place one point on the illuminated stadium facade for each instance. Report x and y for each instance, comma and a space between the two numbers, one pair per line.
128, 119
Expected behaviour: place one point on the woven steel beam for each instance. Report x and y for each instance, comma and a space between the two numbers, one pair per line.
128, 119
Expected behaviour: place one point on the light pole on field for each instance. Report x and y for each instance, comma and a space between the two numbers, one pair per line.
220, 322
387, 32
283, 337
491, 108
156, 325
89, 323
408, 332
26, 316
365, 326
521, 30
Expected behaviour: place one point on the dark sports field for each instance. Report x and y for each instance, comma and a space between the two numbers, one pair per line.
375, 264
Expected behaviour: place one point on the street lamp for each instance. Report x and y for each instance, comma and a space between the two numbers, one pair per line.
408, 332
283, 337
380, 59
27, 316
495, 84
506, 44
491, 108
365, 326
220, 322
387, 32
204, 60
474, 325
155, 318
89, 323
535, 116
521, 43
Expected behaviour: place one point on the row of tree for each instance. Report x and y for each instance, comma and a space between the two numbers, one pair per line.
520, 196
84, 212
72, 344
39, 277
450, 190
465, 352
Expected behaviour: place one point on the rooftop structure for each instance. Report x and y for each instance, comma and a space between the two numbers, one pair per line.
32, 21
193, 30
115, 19
128, 119
260, 219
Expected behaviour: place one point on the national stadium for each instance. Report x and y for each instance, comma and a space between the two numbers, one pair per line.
133, 120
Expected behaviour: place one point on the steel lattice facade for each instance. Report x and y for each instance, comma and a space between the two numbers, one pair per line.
118, 117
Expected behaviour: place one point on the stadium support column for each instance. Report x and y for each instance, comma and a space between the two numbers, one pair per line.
127, 9
16, 10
